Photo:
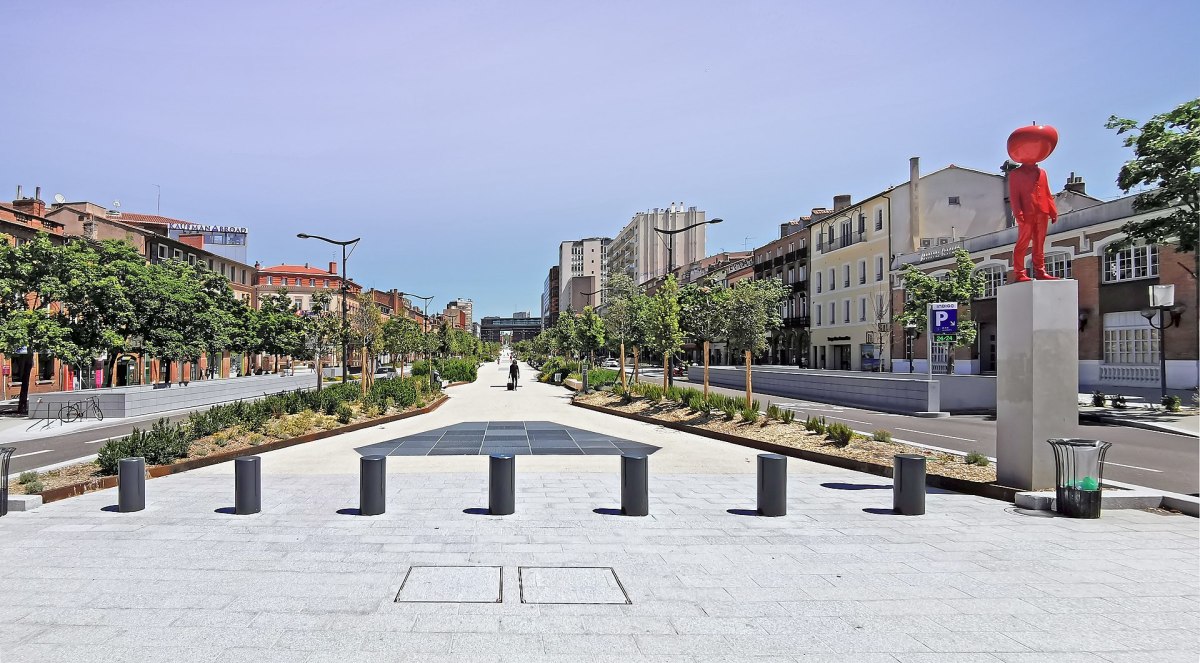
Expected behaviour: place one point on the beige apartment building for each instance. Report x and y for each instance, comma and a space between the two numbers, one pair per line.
854, 246
582, 268
642, 253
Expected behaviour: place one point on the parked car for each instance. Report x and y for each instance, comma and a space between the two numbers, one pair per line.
611, 363
385, 372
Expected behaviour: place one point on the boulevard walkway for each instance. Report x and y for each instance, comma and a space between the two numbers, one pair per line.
701, 579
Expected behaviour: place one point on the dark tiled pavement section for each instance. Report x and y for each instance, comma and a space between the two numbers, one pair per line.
523, 438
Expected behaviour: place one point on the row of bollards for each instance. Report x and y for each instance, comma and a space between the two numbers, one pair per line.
908, 491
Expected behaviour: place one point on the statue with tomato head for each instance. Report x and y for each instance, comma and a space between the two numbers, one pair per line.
1030, 197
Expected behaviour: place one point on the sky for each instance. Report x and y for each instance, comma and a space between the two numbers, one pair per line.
464, 140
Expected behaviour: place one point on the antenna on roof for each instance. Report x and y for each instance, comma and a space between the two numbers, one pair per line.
116, 203
58, 198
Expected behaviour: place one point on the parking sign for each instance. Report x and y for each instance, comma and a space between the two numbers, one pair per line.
943, 318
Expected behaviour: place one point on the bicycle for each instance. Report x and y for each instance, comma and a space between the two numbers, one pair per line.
84, 409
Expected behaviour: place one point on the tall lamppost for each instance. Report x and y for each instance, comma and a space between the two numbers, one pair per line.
671, 270
910, 335
425, 324
1162, 302
344, 290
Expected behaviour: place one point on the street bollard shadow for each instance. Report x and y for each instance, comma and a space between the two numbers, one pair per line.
880, 511
608, 512
349, 512
227, 510
477, 511
742, 512
112, 508
855, 486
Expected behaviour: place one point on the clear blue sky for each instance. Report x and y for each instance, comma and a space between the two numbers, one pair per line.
463, 141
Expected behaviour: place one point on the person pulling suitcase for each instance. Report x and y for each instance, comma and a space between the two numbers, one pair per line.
514, 372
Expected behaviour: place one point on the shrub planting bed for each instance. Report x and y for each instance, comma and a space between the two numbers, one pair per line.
725, 417
226, 431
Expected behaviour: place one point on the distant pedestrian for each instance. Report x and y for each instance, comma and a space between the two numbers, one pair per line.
514, 372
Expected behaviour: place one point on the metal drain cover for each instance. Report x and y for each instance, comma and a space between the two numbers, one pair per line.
571, 585
452, 584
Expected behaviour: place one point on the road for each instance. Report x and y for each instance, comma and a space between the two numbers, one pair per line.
49, 450
1138, 456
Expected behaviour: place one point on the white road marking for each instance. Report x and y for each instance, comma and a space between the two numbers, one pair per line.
851, 420
33, 453
1132, 467
921, 432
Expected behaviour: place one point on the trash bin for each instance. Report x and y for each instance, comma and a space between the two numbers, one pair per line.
5, 454
1079, 471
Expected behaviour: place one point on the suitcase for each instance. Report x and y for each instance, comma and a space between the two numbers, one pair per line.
512, 386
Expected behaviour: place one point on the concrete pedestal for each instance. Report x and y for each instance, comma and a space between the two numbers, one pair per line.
1037, 378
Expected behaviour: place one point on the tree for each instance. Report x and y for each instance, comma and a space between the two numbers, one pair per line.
1166, 156
623, 316
323, 330
589, 333
753, 312
961, 284
278, 326
662, 323
564, 333
366, 326
401, 337
704, 316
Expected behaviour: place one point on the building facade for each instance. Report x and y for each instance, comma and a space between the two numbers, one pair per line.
582, 269
300, 283
550, 292
643, 254
786, 259
491, 328
1118, 347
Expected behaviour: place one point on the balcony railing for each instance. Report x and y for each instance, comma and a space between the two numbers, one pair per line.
841, 242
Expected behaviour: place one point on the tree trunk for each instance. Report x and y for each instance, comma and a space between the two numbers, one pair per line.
26, 372
320, 364
666, 370
624, 384
401, 367
635, 363
749, 390
706, 370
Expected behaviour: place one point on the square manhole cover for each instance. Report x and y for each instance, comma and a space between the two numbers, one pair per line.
452, 584
556, 584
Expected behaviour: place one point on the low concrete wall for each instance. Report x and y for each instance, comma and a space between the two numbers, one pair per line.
968, 393
150, 399
875, 391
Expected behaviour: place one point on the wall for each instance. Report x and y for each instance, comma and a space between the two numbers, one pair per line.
872, 391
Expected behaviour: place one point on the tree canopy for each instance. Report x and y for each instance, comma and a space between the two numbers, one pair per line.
961, 284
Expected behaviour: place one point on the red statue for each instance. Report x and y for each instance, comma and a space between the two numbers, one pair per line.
1029, 194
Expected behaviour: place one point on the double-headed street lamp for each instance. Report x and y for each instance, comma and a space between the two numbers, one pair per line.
671, 270
1162, 302
344, 289
425, 324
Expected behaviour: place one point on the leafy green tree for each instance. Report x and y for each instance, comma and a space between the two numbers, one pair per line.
278, 326
623, 316
589, 333
753, 311
564, 333
1167, 157
961, 284
323, 330
366, 326
662, 323
704, 316
402, 337
94, 297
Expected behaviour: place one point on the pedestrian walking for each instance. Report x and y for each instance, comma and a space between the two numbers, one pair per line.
514, 372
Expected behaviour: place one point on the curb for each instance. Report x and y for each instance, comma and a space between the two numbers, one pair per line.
988, 490
1145, 425
102, 483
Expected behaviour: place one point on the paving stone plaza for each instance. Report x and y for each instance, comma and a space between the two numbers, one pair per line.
566, 578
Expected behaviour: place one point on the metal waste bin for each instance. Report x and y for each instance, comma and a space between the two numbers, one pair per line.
1078, 471
5, 454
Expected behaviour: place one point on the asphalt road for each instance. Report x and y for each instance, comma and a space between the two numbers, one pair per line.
1138, 456
53, 449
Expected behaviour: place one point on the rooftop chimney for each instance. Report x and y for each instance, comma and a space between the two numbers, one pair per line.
33, 205
332, 267
841, 202
914, 201
1075, 184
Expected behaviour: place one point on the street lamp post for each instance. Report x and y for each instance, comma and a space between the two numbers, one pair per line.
344, 290
1162, 302
910, 333
670, 361
425, 324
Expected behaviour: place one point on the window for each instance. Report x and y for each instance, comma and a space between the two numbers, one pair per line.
162, 252
818, 281
832, 313
243, 277
1129, 339
862, 272
993, 277
862, 309
1058, 265
845, 276
192, 259
210, 263
270, 280
879, 219
832, 279
954, 200
45, 367
791, 275
327, 285
176, 254
846, 311
817, 313
862, 222
878, 268
1135, 262
312, 283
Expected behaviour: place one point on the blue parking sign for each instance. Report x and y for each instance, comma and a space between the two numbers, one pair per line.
943, 318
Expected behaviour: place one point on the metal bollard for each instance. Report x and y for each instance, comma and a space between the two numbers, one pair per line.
5, 454
247, 485
908, 484
131, 484
372, 485
502, 485
772, 485
635, 489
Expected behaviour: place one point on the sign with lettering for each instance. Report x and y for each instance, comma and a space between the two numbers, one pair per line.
198, 228
944, 338
943, 318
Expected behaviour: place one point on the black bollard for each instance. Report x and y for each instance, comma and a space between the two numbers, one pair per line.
635, 488
247, 485
502, 485
908, 484
372, 485
131, 484
772, 485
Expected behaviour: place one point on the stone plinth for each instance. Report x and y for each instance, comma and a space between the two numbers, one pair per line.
1037, 386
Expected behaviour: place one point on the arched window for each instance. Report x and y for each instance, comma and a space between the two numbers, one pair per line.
993, 277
